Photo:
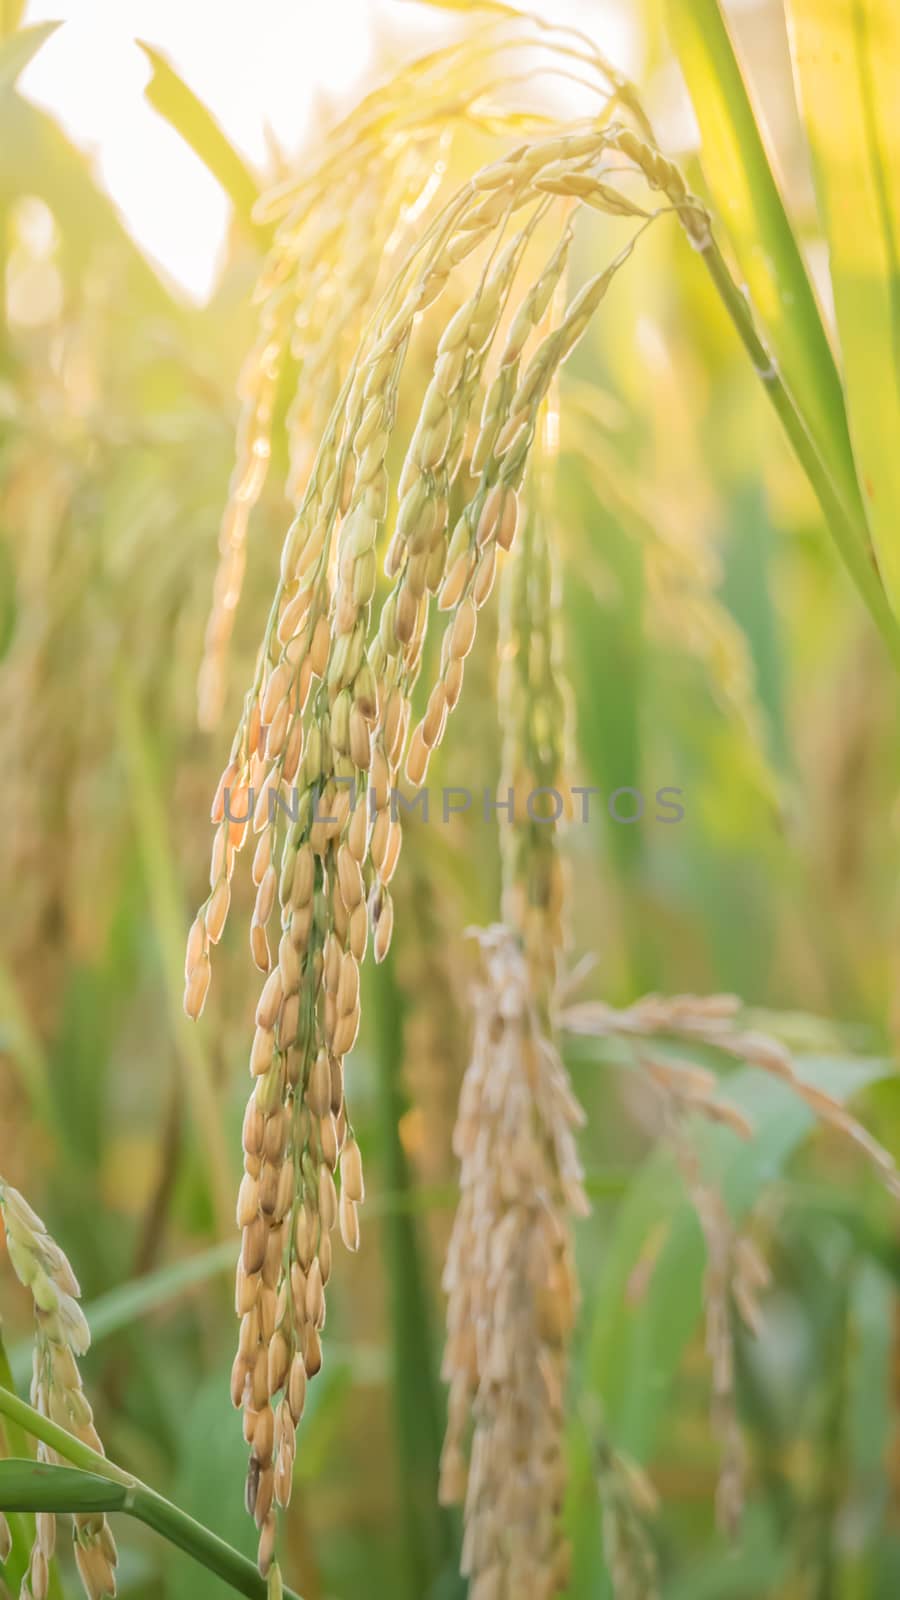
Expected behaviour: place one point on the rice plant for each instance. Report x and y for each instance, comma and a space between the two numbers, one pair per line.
428, 415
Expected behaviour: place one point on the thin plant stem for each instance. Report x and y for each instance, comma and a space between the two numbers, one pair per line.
25, 1490
15, 1441
747, 195
845, 532
429, 1528
27, 1485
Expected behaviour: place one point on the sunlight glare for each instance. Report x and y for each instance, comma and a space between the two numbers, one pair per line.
261, 70
254, 76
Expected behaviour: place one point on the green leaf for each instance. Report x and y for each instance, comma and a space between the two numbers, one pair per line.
165, 896
127, 1303
170, 96
637, 1339
212, 1465
418, 1406
747, 198
136, 1499
36, 1486
21, 1524
20, 48
869, 1420
846, 56
726, 1571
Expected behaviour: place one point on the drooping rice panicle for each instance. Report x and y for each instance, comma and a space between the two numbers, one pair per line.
533, 782
328, 716
512, 1293
628, 1500
363, 421
317, 285
340, 222
61, 1334
714, 1021
257, 387
735, 1273
511, 1289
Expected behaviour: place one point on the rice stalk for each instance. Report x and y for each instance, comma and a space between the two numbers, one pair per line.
328, 717
61, 1334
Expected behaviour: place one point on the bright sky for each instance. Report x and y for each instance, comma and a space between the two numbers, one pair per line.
257, 64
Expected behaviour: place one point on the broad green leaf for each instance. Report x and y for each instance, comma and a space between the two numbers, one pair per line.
747, 591
846, 56
746, 197
725, 1571
428, 1528
604, 642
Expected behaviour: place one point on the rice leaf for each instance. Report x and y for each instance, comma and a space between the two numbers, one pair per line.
746, 196
168, 94
418, 1422
20, 48
650, 1289
846, 56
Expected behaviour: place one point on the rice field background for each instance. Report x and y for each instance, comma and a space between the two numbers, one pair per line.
531, 469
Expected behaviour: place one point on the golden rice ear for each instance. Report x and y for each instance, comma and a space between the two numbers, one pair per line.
510, 1275
61, 1333
327, 718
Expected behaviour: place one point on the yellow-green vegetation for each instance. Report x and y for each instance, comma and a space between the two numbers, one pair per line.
512, 536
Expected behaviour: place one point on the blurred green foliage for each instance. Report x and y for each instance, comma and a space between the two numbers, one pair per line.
121, 1125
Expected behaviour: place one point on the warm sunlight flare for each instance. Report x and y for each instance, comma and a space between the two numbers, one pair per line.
270, 73
277, 65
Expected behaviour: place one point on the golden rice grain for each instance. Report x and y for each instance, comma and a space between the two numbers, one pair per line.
61, 1334
329, 709
509, 1274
